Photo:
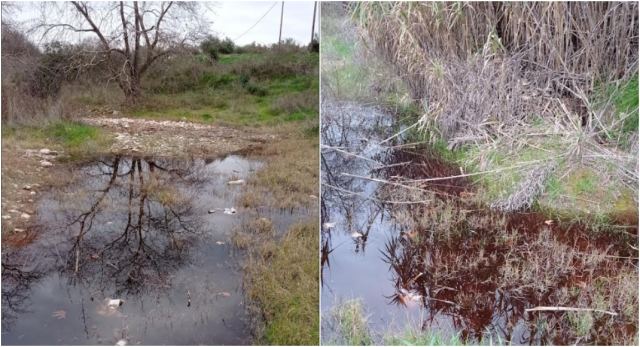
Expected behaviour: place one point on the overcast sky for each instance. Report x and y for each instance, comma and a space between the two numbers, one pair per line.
233, 18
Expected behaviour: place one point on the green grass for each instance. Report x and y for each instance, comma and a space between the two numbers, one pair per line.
227, 59
585, 183
234, 104
74, 138
581, 322
72, 134
626, 101
420, 338
285, 286
352, 323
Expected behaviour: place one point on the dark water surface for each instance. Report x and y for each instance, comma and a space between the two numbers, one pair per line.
149, 231
450, 267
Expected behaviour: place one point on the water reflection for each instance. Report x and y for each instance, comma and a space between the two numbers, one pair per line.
137, 229
456, 267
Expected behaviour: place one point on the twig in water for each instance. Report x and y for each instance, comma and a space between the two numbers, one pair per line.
562, 308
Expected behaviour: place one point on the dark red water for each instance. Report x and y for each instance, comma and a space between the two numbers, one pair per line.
452, 266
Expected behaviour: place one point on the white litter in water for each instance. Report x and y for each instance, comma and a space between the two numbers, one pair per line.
235, 182
113, 303
356, 235
219, 243
121, 342
328, 225
230, 210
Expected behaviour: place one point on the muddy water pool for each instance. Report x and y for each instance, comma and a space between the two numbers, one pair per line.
151, 232
453, 268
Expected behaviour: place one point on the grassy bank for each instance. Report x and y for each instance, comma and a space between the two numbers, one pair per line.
282, 280
281, 274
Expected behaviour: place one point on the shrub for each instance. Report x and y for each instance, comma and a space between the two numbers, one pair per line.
212, 46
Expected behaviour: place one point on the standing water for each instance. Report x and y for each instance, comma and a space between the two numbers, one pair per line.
423, 256
136, 251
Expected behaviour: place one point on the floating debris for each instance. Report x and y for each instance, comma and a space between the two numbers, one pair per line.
45, 163
113, 303
59, 314
230, 210
225, 294
121, 342
356, 235
219, 243
328, 225
236, 182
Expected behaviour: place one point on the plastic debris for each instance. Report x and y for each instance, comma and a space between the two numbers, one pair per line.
236, 182
328, 225
121, 342
60, 314
219, 243
356, 235
113, 303
230, 210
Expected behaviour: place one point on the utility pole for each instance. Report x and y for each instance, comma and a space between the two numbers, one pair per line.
281, 14
313, 21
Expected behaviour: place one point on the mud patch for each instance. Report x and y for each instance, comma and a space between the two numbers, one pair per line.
154, 137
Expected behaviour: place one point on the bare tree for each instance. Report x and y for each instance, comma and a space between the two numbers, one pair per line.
130, 36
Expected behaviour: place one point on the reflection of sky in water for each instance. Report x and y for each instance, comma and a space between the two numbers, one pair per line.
451, 285
352, 272
183, 260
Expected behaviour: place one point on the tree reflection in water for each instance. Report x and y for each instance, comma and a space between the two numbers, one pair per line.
122, 227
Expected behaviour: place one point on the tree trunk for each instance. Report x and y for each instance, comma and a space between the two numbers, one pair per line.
132, 90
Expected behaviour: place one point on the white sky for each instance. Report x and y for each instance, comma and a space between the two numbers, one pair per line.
233, 18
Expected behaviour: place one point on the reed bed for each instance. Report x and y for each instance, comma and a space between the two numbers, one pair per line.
483, 73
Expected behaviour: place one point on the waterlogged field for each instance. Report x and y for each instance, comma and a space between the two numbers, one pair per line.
413, 253
153, 234
419, 255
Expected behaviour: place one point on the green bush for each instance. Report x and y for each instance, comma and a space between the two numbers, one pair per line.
212, 46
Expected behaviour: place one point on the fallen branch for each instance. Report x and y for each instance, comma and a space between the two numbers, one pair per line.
562, 308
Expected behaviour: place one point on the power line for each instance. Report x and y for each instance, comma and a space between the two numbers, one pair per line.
256, 23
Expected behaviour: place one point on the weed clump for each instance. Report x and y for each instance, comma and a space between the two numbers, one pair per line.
352, 323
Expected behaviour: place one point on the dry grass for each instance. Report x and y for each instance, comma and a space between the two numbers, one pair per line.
290, 178
509, 78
